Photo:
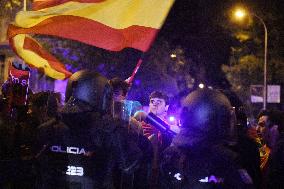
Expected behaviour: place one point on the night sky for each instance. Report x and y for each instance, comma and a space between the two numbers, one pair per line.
196, 26
196, 17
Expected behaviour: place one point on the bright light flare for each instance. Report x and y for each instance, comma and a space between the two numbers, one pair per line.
172, 118
240, 13
173, 55
201, 85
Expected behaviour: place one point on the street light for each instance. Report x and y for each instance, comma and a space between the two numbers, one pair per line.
240, 13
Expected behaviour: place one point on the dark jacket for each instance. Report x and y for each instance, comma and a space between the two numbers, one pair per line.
202, 166
249, 158
86, 155
16, 152
275, 172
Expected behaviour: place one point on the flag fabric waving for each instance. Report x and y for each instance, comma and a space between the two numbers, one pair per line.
108, 24
33, 53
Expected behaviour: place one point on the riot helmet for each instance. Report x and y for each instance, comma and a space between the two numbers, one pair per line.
88, 91
207, 115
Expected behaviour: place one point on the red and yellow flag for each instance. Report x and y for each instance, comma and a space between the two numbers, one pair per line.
36, 56
108, 24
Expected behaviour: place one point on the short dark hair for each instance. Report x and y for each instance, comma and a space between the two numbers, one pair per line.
46, 98
159, 94
263, 113
276, 117
40, 99
119, 84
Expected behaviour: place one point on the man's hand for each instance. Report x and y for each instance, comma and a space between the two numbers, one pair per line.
135, 125
252, 133
140, 115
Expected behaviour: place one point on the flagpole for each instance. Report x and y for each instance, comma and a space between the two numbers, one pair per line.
28, 84
25, 5
136, 69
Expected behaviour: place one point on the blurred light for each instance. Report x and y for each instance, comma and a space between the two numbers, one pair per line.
240, 13
173, 55
172, 118
178, 176
101, 67
137, 82
210, 87
180, 62
60, 86
201, 85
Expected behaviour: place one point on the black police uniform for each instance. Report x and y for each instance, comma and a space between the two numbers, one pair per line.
202, 167
84, 158
275, 172
88, 149
199, 157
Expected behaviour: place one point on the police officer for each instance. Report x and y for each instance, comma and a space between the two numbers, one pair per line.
87, 149
199, 156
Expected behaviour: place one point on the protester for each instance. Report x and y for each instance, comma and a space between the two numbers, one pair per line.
16, 131
123, 107
247, 148
264, 150
158, 106
43, 106
273, 135
120, 89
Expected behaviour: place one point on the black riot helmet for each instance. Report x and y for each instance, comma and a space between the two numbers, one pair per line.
207, 116
88, 91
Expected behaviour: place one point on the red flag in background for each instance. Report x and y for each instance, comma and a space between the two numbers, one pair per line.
16, 88
35, 55
108, 24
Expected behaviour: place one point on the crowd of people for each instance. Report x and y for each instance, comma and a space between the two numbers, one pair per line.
98, 139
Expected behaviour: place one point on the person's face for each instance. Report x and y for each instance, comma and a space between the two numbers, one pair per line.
34, 110
158, 106
270, 133
262, 122
118, 96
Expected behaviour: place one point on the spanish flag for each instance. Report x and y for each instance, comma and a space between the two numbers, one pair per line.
108, 24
